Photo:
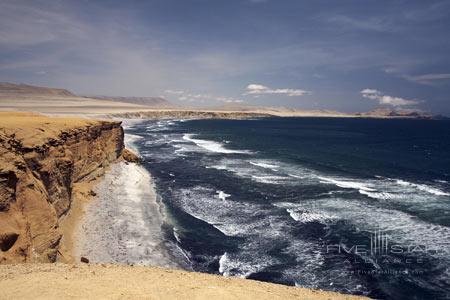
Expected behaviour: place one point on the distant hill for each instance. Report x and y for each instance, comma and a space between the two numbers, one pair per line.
146, 101
25, 89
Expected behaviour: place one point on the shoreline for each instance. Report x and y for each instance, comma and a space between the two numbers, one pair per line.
123, 222
82, 196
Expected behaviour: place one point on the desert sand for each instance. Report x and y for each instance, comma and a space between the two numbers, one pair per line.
35, 129
63, 281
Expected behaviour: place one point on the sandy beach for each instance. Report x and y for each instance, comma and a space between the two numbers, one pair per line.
122, 223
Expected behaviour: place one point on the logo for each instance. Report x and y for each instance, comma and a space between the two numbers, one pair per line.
379, 243
386, 248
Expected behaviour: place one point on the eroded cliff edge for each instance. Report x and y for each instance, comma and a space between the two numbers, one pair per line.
42, 160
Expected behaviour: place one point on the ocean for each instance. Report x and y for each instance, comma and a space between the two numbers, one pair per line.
359, 206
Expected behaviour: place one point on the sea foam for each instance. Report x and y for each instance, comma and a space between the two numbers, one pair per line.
213, 146
265, 165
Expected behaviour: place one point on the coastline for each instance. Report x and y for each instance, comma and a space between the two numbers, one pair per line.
122, 224
124, 232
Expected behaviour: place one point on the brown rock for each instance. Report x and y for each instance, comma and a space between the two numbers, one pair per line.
130, 156
84, 260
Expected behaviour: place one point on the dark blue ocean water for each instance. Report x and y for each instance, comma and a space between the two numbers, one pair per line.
359, 206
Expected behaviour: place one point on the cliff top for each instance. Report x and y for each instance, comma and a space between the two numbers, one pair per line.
33, 129
57, 281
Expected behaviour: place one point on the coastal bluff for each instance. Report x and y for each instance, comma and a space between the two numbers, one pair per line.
44, 163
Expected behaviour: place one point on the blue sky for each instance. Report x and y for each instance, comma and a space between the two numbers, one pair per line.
338, 55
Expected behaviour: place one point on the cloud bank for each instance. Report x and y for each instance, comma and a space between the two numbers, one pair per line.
385, 99
259, 89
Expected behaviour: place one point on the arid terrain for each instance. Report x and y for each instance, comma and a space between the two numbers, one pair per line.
57, 101
60, 281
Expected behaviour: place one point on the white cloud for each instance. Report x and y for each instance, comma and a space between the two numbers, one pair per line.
201, 98
258, 89
385, 99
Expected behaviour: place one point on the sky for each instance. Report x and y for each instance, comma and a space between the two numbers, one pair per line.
338, 55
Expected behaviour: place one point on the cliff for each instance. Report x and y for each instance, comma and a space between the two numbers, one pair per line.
42, 160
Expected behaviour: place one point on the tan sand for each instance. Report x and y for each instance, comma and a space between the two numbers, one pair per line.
82, 196
61, 281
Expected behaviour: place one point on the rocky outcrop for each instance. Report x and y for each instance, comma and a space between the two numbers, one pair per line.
37, 179
130, 156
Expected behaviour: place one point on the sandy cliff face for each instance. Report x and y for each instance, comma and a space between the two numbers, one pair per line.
41, 162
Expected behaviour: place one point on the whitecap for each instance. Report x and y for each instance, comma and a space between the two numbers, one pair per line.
243, 264
265, 165
222, 195
130, 142
298, 176
347, 184
270, 179
303, 216
213, 146
382, 195
217, 167
423, 188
